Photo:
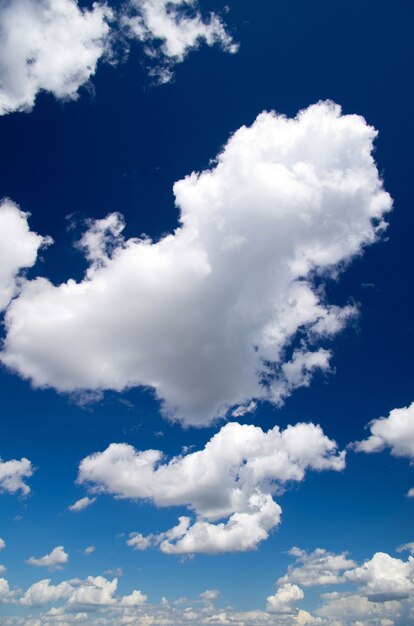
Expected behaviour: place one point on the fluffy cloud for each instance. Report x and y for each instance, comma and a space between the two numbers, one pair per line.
2, 544
285, 599
42, 592
384, 578
343, 609
316, 568
233, 476
54, 559
171, 29
81, 504
48, 45
395, 432
19, 247
94, 591
12, 475
207, 316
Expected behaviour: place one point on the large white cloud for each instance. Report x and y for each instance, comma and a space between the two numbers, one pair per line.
13, 473
170, 29
19, 247
395, 432
233, 478
48, 45
206, 316
319, 567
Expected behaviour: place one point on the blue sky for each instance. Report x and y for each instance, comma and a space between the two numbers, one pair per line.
207, 335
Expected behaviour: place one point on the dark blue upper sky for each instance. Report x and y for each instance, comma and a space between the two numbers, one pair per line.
120, 147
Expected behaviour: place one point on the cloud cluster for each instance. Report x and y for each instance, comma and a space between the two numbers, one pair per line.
19, 247
232, 478
169, 30
48, 45
13, 474
383, 596
206, 316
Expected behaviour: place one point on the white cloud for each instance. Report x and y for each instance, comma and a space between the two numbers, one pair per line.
94, 591
407, 547
169, 30
136, 598
6, 595
285, 599
233, 476
48, 45
206, 316
395, 432
42, 592
319, 567
2, 544
19, 247
89, 550
345, 608
81, 504
384, 578
12, 475
54, 559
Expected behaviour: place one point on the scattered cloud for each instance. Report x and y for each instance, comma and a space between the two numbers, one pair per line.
19, 247
48, 45
234, 476
170, 30
81, 505
12, 475
89, 550
53, 560
316, 568
384, 578
2, 544
206, 316
395, 432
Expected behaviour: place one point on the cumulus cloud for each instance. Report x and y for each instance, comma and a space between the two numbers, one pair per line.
19, 247
384, 578
234, 476
81, 505
395, 432
207, 316
94, 591
48, 45
285, 599
12, 475
42, 592
319, 567
2, 544
54, 559
169, 30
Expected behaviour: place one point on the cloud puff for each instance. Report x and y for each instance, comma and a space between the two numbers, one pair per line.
319, 567
54, 560
12, 475
48, 45
43, 592
19, 247
233, 476
285, 599
395, 432
81, 505
169, 30
384, 578
207, 316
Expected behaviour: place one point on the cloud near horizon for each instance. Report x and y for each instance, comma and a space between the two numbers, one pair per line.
225, 310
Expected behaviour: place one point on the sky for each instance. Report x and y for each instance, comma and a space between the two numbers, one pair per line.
206, 301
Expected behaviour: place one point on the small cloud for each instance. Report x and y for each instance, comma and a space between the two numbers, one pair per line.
81, 504
2, 544
410, 493
116, 571
244, 409
53, 560
89, 550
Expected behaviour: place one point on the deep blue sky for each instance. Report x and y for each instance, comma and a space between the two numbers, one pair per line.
121, 148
